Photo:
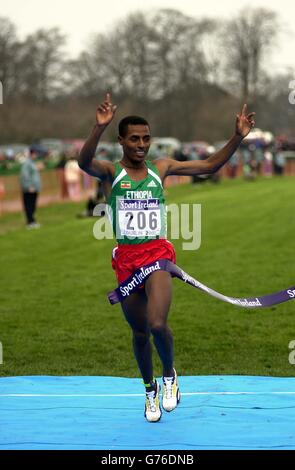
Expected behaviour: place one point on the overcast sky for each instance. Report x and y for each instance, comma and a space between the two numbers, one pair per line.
79, 18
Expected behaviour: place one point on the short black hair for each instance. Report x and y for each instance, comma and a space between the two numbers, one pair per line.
133, 120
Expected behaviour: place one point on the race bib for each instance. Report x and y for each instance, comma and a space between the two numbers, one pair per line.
138, 218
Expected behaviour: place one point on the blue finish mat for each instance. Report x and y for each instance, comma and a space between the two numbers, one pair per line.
216, 412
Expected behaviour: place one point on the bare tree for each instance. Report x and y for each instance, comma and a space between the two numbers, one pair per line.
120, 60
86, 75
42, 64
164, 65
248, 41
9, 56
178, 54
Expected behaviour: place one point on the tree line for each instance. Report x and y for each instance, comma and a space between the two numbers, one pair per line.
187, 76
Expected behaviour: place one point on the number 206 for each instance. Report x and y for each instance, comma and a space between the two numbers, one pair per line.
143, 220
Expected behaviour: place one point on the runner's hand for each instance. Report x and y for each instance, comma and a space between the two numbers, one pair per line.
105, 112
244, 122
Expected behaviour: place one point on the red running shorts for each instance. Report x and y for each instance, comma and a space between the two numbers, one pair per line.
127, 259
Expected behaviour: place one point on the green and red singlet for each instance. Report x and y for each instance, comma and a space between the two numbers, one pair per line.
138, 211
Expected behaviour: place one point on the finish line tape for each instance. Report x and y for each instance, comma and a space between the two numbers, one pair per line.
136, 280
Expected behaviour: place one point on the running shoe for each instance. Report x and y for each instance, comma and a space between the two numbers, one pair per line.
152, 411
171, 394
33, 225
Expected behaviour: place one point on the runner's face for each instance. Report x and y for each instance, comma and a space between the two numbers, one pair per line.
136, 143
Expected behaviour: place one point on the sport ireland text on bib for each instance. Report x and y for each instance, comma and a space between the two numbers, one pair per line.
139, 217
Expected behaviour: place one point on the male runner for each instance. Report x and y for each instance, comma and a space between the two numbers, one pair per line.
134, 181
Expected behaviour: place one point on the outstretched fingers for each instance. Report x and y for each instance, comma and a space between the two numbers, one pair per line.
102, 108
244, 116
250, 119
108, 103
244, 110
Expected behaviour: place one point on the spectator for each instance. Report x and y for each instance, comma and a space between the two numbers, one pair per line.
259, 158
250, 168
279, 162
73, 178
61, 176
31, 185
268, 162
246, 155
233, 166
93, 200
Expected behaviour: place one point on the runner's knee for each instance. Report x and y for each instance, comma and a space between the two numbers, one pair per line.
141, 337
158, 327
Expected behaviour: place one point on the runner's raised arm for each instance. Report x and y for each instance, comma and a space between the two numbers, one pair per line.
244, 123
101, 169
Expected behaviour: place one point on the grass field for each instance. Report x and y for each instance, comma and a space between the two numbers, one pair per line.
56, 320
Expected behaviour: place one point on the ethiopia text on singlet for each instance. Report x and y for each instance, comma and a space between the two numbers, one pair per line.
137, 208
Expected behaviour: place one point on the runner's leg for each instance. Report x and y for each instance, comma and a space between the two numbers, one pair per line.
135, 311
158, 288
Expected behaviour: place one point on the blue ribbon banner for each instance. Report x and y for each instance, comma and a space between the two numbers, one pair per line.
136, 280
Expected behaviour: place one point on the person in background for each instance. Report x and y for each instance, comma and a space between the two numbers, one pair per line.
268, 161
73, 178
233, 165
31, 186
61, 175
250, 167
279, 162
95, 198
259, 157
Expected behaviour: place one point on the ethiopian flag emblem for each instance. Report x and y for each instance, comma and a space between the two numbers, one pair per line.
125, 185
